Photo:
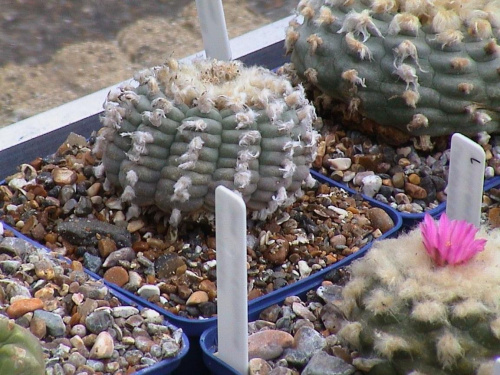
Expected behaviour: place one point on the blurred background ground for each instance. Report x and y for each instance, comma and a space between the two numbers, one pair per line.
55, 51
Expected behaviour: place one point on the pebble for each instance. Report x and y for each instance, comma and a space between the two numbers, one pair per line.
370, 185
268, 344
197, 298
103, 346
340, 164
258, 366
54, 323
116, 275
380, 219
148, 291
22, 306
324, 364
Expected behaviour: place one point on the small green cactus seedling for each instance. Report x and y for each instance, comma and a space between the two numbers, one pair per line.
188, 128
426, 303
20, 351
428, 68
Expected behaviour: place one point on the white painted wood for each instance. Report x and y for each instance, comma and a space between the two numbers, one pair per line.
232, 301
465, 180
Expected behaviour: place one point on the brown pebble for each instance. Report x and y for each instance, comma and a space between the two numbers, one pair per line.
209, 287
268, 344
106, 246
64, 176
255, 293
38, 327
197, 297
184, 291
277, 252
494, 217
414, 179
380, 219
415, 191
22, 306
398, 180
116, 275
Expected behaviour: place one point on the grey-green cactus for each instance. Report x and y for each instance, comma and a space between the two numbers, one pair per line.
406, 315
20, 351
188, 128
428, 68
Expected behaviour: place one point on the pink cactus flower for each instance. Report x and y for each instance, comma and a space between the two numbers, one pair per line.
450, 241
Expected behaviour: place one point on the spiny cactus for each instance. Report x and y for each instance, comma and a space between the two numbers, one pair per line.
428, 68
187, 128
20, 351
406, 314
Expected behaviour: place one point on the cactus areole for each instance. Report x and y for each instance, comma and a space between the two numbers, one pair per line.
428, 68
185, 129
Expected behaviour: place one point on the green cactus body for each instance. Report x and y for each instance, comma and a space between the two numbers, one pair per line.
188, 128
428, 68
407, 316
20, 351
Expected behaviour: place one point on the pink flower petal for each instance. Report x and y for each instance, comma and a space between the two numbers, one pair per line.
450, 241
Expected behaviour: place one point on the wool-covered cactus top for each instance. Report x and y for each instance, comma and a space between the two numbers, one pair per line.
426, 67
187, 128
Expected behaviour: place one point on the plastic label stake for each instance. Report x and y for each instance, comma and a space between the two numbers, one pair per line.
465, 180
213, 29
496, 367
232, 302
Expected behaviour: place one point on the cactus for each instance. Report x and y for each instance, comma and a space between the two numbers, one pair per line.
427, 68
408, 312
20, 351
188, 128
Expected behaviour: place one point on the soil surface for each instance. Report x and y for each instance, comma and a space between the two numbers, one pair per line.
58, 50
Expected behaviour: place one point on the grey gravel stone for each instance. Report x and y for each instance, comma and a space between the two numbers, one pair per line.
324, 364
54, 322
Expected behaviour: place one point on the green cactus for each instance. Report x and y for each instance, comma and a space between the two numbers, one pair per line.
428, 68
406, 315
188, 128
20, 351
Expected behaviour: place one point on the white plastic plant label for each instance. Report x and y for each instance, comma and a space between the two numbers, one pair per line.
232, 302
465, 180
213, 29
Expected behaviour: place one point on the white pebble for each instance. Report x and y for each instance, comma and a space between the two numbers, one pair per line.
371, 185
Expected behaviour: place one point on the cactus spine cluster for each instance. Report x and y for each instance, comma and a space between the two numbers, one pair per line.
188, 128
20, 351
428, 68
406, 315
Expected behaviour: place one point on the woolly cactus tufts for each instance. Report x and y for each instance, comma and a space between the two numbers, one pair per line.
20, 351
428, 68
188, 128
408, 313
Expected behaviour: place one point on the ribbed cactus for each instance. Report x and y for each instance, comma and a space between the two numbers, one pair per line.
20, 351
408, 315
188, 128
428, 68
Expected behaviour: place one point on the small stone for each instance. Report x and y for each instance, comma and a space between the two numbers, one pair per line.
78, 330
166, 265
209, 287
38, 327
54, 322
360, 175
197, 297
148, 291
268, 344
99, 320
371, 185
144, 344
380, 219
303, 311
135, 225
308, 341
103, 346
415, 191
324, 364
258, 366
106, 246
124, 311
339, 164
22, 306
494, 217
271, 314
64, 176
125, 253
92, 262
398, 180
116, 275
414, 179
304, 269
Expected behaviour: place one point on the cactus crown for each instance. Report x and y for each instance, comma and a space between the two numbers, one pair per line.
426, 67
418, 316
187, 128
